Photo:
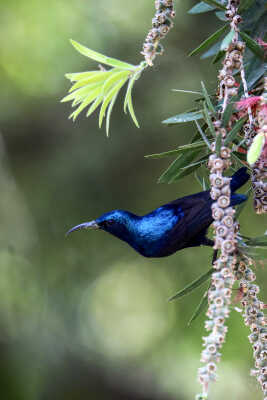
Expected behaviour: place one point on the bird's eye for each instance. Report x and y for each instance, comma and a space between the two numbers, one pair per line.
108, 223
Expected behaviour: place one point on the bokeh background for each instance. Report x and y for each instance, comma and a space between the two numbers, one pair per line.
85, 317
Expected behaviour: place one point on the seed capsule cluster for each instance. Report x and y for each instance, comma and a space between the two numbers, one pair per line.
233, 58
161, 24
225, 227
259, 172
256, 320
219, 299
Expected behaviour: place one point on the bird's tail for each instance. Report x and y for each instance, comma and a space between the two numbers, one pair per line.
238, 179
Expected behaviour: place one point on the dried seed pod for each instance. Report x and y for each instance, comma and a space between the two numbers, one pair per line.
228, 221
225, 152
222, 231
228, 246
215, 193
217, 213
223, 201
229, 81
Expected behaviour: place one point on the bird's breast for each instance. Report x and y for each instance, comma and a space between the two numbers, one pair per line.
152, 231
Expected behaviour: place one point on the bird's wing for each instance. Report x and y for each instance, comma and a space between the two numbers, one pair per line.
191, 228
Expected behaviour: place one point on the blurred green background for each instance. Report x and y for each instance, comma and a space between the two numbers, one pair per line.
85, 317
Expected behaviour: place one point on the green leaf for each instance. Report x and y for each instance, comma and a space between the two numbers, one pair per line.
234, 131
256, 147
185, 171
204, 137
229, 111
91, 80
186, 91
110, 107
131, 110
91, 97
173, 170
200, 308
218, 56
212, 51
218, 144
184, 117
208, 120
115, 77
108, 98
181, 149
193, 285
207, 98
76, 76
252, 45
209, 41
95, 104
216, 4
227, 40
201, 8
98, 57
128, 98
221, 16
81, 93
128, 92
257, 241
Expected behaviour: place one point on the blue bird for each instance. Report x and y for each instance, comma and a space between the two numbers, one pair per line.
174, 226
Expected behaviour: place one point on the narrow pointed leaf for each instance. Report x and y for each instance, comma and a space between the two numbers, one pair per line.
212, 51
218, 144
182, 161
81, 93
234, 131
100, 57
257, 241
184, 117
109, 112
201, 7
186, 91
108, 98
193, 285
200, 308
227, 40
252, 45
181, 149
209, 121
209, 41
221, 16
76, 76
229, 111
204, 137
91, 97
129, 91
216, 4
218, 57
207, 98
131, 109
92, 79
95, 104
115, 77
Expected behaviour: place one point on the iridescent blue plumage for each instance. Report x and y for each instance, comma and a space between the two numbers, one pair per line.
171, 227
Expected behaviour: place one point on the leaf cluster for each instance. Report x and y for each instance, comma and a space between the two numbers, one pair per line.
101, 87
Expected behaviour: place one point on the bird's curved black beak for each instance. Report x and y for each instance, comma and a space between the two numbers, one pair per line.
85, 225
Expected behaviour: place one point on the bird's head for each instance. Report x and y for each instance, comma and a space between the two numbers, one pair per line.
119, 223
